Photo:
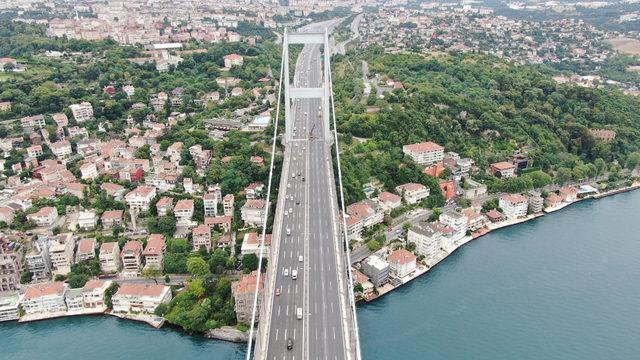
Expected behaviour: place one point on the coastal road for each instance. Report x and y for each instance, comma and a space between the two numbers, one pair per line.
309, 238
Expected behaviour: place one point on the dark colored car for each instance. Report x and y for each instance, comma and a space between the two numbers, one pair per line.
289, 344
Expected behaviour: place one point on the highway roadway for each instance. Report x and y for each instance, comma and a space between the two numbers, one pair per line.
309, 238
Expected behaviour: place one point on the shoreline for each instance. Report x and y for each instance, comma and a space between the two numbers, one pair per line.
431, 262
232, 335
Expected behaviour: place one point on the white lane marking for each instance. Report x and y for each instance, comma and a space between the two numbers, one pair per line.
278, 310
276, 334
286, 313
332, 306
294, 333
334, 332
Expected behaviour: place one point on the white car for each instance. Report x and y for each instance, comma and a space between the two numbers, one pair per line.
299, 313
287, 197
289, 186
286, 213
286, 272
290, 210
288, 232
300, 258
294, 274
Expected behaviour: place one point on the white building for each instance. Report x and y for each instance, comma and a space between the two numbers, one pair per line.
46, 216
401, 263
82, 112
413, 192
251, 244
253, 212
61, 250
140, 198
61, 149
131, 256
88, 171
41, 298
514, 206
9, 307
210, 204
429, 238
183, 211
87, 219
457, 222
93, 293
109, 257
369, 211
426, 153
140, 298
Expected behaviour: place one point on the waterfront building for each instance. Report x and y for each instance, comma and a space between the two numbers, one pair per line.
243, 292
475, 219
10, 266
109, 257
154, 251
61, 249
413, 192
429, 237
93, 293
9, 306
536, 202
74, 300
140, 298
494, 215
47, 297
401, 263
131, 256
457, 221
425, 153
376, 269
553, 200
514, 206
568, 193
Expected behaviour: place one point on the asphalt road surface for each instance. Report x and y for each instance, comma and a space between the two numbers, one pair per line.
309, 238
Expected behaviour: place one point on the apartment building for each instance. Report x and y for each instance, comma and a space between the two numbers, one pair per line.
210, 204
457, 221
183, 211
401, 263
87, 219
233, 60
61, 149
46, 216
48, 297
82, 112
413, 192
369, 211
201, 236
10, 266
61, 250
227, 204
154, 251
112, 218
243, 292
110, 257
503, 169
93, 293
140, 298
376, 269
164, 206
253, 212
513, 206
140, 198
86, 249
131, 256
425, 153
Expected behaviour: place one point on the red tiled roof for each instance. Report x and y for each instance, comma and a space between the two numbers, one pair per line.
401, 256
422, 147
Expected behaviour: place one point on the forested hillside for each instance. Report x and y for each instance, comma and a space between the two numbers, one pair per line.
482, 108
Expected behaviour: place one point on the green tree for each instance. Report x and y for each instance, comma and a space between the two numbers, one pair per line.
249, 263
196, 266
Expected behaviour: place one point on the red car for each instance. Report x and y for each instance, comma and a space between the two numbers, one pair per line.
277, 291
